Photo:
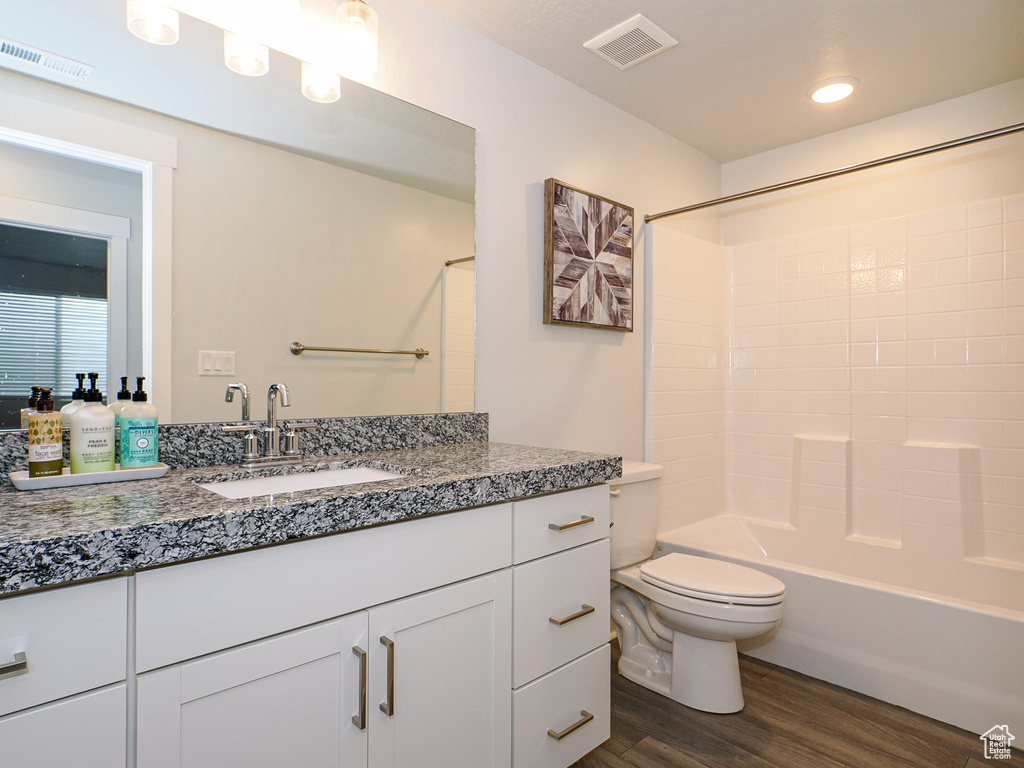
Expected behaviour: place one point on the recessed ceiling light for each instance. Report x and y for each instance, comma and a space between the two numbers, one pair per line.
833, 89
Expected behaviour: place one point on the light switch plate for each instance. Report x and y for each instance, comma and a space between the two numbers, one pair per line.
216, 363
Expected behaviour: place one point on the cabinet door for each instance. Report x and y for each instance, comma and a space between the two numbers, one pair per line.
289, 700
440, 677
86, 731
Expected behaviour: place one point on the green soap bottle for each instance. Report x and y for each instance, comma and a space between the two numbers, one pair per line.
139, 431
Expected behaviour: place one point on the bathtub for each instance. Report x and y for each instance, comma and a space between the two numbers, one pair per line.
945, 639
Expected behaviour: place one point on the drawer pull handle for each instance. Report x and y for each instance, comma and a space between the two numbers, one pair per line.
360, 719
558, 736
615, 492
586, 611
20, 664
388, 707
585, 520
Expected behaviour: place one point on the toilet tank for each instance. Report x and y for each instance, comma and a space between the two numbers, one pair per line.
634, 513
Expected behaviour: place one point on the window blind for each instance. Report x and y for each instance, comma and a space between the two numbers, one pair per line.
46, 340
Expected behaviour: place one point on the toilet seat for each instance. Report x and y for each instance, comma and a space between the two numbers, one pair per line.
719, 581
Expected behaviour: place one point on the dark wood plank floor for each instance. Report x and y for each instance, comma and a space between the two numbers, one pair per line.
789, 721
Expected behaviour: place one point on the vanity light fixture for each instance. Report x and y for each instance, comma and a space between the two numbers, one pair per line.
153, 21
332, 38
832, 90
320, 83
245, 56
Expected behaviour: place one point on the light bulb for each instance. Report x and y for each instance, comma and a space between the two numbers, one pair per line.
153, 21
357, 44
320, 84
245, 56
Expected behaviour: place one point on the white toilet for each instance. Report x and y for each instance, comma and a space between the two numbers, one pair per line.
678, 617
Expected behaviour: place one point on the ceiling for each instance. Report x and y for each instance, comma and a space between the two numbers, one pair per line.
736, 84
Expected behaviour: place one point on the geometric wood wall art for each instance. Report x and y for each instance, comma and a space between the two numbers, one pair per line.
588, 259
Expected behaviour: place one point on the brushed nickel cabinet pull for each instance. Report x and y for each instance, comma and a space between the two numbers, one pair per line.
19, 664
360, 719
388, 707
587, 610
559, 735
585, 520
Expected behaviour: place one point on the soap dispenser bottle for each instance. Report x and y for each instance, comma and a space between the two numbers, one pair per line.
92, 433
124, 399
45, 438
77, 401
139, 431
31, 408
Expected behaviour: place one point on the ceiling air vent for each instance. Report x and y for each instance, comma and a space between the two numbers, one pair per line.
35, 61
627, 44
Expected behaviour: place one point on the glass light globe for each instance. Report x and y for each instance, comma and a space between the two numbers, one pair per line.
153, 21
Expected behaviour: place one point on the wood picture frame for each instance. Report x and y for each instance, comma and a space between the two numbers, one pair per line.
588, 259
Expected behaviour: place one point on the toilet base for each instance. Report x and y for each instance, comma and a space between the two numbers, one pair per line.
702, 674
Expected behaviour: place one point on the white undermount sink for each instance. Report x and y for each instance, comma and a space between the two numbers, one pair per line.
300, 481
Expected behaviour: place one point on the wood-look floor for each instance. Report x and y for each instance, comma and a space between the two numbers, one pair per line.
789, 721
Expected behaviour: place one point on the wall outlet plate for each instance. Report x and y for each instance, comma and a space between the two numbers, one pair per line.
216, 363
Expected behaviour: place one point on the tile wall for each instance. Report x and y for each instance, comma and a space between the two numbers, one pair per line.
690, 374
904, 336
459, 337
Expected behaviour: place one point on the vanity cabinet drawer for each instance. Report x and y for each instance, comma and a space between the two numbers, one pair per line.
549, 707
73, 639
192, 609
548, 524
560, 609
86, 731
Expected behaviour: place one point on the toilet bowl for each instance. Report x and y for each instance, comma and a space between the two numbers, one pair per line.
678, 617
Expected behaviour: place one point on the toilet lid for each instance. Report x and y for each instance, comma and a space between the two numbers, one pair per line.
708, 579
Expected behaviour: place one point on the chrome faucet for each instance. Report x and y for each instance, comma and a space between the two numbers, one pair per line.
229, 396
273, 455
272, 433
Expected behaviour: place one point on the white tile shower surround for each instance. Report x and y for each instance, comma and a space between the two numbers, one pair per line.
459, 337
877, 380
690, 343
870, 382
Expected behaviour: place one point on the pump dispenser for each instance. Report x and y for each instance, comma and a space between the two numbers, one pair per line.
45, 439
92, 433
28, 411
124, 399
77, 401
139, 431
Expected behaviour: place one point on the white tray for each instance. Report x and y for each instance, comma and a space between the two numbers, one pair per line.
23, 482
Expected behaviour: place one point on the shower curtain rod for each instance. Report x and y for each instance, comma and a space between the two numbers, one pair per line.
648, 218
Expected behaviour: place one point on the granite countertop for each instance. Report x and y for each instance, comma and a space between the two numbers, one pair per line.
57, 536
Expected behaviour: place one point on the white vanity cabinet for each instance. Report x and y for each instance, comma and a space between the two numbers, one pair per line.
63, 696
405, 682
476, 639
561, 658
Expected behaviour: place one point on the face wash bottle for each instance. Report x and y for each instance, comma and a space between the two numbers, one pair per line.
45, 438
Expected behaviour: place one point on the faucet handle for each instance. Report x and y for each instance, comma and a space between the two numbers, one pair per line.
251, 442
291, 436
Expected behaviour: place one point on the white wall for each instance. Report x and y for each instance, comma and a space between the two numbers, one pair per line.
543, 385
877, 333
